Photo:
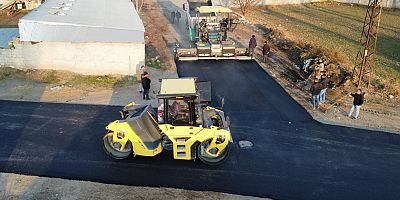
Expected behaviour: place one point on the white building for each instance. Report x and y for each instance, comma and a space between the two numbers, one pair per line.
83, 36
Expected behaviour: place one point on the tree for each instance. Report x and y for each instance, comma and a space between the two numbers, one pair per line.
245, 5
226, 3
138, 4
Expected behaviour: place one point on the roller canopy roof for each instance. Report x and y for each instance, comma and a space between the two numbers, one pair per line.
177, 87
213, 9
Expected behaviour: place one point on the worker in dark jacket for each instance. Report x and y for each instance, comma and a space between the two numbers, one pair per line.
178, 16
252, 45
146, 86
324, 83
315, 90
266, 50
358, 100
173, 14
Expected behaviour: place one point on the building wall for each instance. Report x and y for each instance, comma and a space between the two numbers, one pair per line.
386, 3
281, 2
83, 58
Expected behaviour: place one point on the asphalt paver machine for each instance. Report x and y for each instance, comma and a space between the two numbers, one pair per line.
183, 123
208, 29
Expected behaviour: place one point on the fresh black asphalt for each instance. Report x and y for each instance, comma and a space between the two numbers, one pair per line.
293, 157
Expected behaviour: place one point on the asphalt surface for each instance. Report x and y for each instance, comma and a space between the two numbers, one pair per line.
293, 157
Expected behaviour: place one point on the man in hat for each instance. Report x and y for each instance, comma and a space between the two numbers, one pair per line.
178, 16
173, 14
252, 45
266, 50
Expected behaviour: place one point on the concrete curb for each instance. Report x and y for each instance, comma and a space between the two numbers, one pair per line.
327, 122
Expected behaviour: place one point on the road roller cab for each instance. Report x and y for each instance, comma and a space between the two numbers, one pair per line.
183, 123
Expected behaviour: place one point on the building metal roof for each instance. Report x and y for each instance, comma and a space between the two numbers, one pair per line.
113, 21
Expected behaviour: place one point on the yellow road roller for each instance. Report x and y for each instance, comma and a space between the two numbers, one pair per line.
183, 123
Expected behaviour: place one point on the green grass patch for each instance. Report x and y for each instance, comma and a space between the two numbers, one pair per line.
125, 81
51, 78
54, 77
8, 72
103, 81
94, 80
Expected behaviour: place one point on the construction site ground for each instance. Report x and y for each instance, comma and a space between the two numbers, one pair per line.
379, 111
15, 186
68, 87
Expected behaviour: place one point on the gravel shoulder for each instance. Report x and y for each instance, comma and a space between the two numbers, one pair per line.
14, 186
105, 90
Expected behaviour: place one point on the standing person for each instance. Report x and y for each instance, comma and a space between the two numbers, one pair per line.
324, 83
139, 78
266, 50
358, 100
173, 14
315, 90
178, 16
146, 86
252, 45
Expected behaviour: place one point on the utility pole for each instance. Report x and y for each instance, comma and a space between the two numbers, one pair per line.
369, 38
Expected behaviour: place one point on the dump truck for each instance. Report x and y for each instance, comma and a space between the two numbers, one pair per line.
183, 123
208, 29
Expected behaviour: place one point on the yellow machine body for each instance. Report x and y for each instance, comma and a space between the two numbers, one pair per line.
140, 132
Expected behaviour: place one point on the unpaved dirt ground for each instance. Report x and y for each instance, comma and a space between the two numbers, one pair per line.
160, 34
13, 186
10, 21
67, 87
379, 112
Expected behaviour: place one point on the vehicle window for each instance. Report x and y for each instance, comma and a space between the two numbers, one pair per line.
178, 112
160, 111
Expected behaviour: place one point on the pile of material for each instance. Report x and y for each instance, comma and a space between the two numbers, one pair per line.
311, 62
314, 67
